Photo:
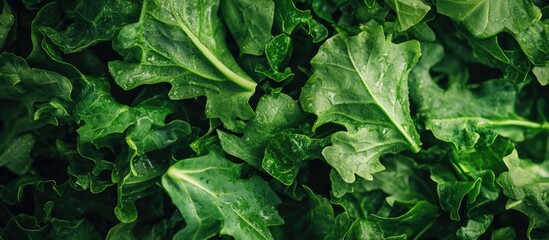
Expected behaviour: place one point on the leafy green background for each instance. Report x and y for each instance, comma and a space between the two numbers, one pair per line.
274, 119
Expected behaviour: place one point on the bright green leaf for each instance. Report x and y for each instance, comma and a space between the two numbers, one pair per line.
211, 195
172, 42
485, 18
409, 12
365, 90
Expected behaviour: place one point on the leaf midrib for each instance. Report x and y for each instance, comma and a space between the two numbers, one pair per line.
414, 146
181, 175
499, 123
244, 82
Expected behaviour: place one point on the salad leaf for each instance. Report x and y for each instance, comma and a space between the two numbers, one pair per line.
257, 16
274, 114
205, 69
375, 111
16, 157
534, 43
213, 197
409, 12
94, 21
475, 227
288, 18
481, 113
239, 119
525, 185
485, 18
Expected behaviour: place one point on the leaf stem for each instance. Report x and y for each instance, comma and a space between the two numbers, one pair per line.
521, 123
243, 81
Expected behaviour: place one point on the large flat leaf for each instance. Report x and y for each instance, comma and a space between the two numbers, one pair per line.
183, 43
485, 18
211, 195
250, 23
361, 83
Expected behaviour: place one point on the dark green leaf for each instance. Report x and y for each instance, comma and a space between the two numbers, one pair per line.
364, 229
314, 218
412, 224
479, 113
504, 233
451, 191
278, 52
286, 153
534, 41
475, 227
6, 22
250, 23
274, 114
142, 180
288, 18
27, 227
94, 22
16, 157
341, 227
526, 186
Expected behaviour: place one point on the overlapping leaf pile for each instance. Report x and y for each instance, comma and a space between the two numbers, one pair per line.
274, 119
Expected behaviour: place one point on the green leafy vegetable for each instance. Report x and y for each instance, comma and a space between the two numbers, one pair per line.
370, 99
485, 18
94, 21
409, 12
257, 16
274, 119
479, 113
176, 46
212, 197
526, 186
